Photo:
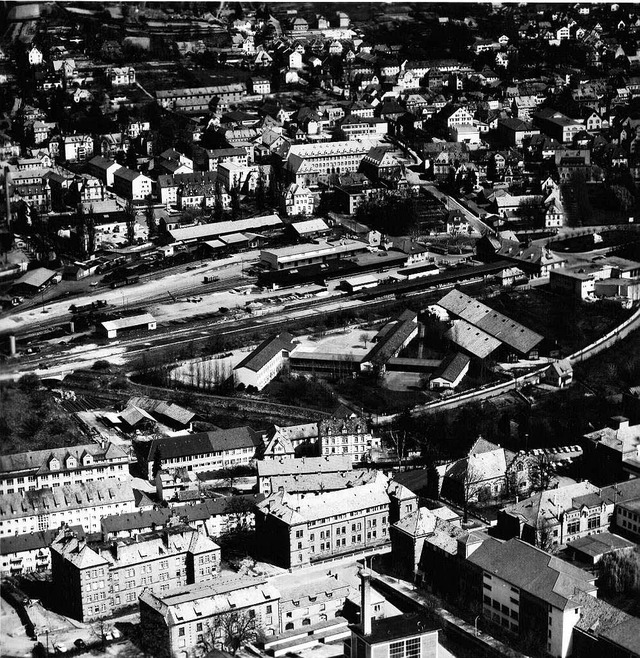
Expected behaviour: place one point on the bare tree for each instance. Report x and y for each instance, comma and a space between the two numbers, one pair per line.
364, 338
399, 441
541, 472
231, 631
471, 480
544, 534
130, 219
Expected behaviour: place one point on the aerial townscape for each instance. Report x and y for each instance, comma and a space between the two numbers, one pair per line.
319, 329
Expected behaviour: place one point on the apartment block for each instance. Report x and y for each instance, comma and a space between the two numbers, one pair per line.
306, 164
40, 469
101, 578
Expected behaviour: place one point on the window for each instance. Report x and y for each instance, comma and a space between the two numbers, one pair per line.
181, 632
593, 522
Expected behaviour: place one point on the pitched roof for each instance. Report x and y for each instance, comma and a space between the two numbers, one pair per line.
451, 367
306, 465
533, 570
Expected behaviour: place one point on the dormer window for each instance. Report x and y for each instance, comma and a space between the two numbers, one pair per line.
87, 459
71, 462
54, 464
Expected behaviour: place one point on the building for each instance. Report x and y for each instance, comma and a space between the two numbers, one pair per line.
35, 281
77, 148
612, 453
131, 184
110, 328
103, 577
310, 254
627, 519
204, 451
450, 372
307, 164
514, 340
288, 441
80, 504
296, 530
524, 590
201, 99
274, 473
404, 636
103, 169
556, 125
265, 362
513, 131
124, 76
204, 232
62, 467
297, 200
390, 341
350, 436
30, 552
184, 618
560, 516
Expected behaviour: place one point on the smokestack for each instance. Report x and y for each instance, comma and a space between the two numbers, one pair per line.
7, 196
72, 327
12, 345
365, 600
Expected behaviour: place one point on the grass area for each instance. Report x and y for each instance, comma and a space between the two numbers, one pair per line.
569, 322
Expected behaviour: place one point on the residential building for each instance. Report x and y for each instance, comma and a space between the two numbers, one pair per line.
204, 451
274, 473
62, 467
34, 56
104, 577
77, 148
244, 178
556, 125
124, 76
513, 131
295, 530
297, 200
264, 363
180, 619
201, 99
281, 442
80, 504
131, 184
350, 436
238, 155
627, 518
30, 552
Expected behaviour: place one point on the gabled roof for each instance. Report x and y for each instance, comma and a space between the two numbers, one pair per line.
266, 351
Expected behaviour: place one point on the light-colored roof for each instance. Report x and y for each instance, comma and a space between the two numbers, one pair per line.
208, 231
310, 225
305, 465
127, 323
471, 339
35, 278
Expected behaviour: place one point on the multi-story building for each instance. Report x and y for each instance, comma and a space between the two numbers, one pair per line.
244, 178
199, 99
28, 471
273, 472
557, 125
77, 148
101, 578
287, 441
204, 451
297, 200
124, 76
29, 552
169, 185
103, 169
182, 619
627, 518
131, 184
238, 155
265, 362
306, 164
296, 530
613, 453
350, 436
562, 515
81, 504
524, 590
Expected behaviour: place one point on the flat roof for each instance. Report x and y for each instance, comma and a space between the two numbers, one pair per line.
126, 323
320, 248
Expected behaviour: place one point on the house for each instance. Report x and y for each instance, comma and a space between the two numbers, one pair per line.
34, 56
556, 125
264, 363
178, 619
39, 469
559, 373
80, 504
282, 442
296, 530
131, 184
124, 76
297, 200
261, 85
104, 577
77, 148
513, 131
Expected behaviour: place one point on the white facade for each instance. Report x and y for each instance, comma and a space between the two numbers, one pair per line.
122, 77
78, 147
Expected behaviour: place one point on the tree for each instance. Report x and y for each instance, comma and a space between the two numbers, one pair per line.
231, 631
541, 472
218, 206
157, 462
364, 338
90, 225
532, 210
620, 572
471, 480
150, 215
130, 219
544, 534
261, 189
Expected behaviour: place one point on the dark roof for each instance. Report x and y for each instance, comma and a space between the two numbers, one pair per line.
394, 628
452, 366
389, 345
266, 351
203, 442
32, 541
